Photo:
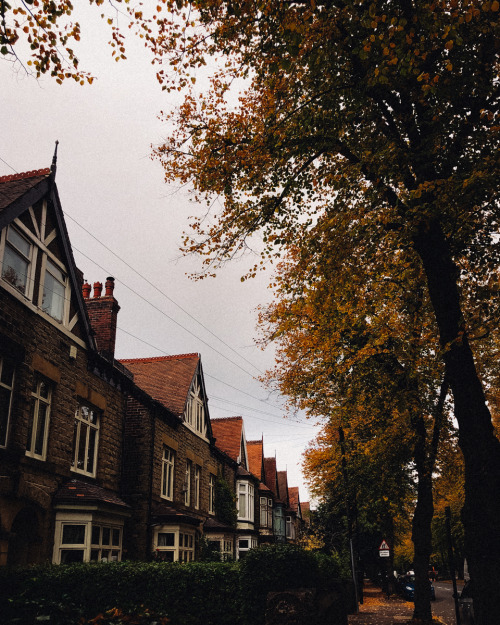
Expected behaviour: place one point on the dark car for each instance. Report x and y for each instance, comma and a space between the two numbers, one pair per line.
407, 587
466, 605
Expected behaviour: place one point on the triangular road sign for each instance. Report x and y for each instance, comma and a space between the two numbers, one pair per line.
383, 546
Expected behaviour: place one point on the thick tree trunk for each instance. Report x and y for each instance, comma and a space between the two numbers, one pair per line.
480, 447
422, 541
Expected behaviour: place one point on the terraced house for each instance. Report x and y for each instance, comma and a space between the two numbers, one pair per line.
101, 459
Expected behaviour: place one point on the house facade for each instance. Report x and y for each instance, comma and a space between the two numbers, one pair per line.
104, 460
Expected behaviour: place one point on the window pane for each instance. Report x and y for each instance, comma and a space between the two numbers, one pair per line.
166, 539
53, 297
7, 371
40, 428
116, 538
19, 242
96, 535
15, 269
106, 535
81, 447
44, 389
4, 414
71, 555
91, 450
94, 555
73, 534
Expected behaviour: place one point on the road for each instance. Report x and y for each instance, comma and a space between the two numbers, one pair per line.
444, 606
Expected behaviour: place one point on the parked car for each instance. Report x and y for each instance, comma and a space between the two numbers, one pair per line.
466, 604
406, 585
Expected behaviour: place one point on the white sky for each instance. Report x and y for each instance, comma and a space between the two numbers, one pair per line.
111, 190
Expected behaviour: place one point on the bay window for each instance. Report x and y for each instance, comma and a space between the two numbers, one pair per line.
245, 501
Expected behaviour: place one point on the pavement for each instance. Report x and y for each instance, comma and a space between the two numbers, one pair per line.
377, 609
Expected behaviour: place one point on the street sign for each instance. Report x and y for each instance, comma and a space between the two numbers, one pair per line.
383, 550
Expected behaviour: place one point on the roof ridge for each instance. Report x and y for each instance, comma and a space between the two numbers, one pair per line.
159, 358
26, 174
227, 419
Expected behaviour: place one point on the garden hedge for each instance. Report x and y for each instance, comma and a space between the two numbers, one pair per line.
196, 593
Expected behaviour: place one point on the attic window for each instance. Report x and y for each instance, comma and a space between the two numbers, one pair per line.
54, 291
17, 260
194, 416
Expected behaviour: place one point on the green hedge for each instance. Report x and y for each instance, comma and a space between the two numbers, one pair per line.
197, 593
188, 594
275, 568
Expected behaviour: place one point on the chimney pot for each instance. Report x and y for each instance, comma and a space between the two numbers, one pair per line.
97, 289
110, 286
86, 288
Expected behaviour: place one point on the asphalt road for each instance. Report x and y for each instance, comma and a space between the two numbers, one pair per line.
444, 606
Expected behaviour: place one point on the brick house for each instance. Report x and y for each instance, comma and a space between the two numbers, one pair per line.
171, 480
230, 436
61, 401
101, 459
266, 496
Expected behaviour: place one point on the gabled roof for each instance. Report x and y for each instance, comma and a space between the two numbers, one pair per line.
18, 192
13, 188
166, 378
230, 436
293, 497
270, 475
255, 450
283, 486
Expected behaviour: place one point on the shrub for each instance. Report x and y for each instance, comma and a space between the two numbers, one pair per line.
188, 594
274, 568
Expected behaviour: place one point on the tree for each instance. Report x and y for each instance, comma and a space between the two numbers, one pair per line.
341, 329
39, 35
390, 106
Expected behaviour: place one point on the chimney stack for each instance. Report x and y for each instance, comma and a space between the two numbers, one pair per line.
103, 314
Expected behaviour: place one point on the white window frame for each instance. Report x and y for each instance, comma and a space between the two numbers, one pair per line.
246, 500
91, 551
167, 473
252, 542
197, 483
187, 483
84, 427
7, 386
39, 403
290, 527
194, 415
211, 493
51, 267
182, 548
30, 260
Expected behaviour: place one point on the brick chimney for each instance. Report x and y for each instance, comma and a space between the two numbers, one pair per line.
103, 313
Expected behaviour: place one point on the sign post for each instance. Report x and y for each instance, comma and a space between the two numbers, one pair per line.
383, 550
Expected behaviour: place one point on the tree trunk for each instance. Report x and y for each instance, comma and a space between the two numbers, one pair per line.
422, 541
480, 447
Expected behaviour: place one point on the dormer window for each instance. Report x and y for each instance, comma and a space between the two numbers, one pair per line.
194, 416
17, 260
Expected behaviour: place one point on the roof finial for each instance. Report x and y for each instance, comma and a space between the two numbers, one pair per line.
53, 167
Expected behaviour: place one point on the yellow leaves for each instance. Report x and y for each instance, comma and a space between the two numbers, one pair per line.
449, 44
495, 6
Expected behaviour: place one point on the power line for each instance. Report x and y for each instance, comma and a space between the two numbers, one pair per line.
166, 315
186, 312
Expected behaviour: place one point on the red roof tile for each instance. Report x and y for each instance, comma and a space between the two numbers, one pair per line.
293, 497
228, 433
76, 490
270, 474
16, 185
255, 453
166, 378
283, 485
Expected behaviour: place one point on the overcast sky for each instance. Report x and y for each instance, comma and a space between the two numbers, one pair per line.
124, 221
